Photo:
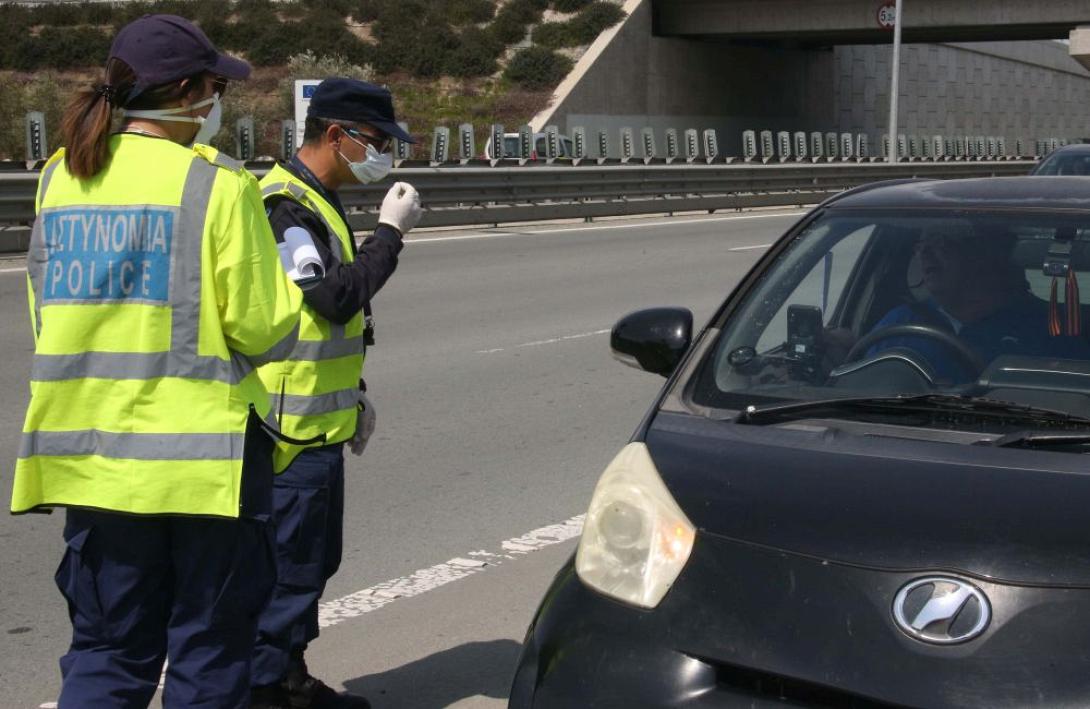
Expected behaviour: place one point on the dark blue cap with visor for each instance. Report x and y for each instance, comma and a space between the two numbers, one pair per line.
161, 49
357, 101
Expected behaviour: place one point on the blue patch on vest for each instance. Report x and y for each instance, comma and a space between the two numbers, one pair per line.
121, 253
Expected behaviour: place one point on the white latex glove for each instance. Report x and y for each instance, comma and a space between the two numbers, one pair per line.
365, 426
401, 208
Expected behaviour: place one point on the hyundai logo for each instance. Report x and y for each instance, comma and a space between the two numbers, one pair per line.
941, 610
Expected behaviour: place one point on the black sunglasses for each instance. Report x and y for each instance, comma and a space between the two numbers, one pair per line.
382, 143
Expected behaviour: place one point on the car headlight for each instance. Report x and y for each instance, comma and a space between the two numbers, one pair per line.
636, 540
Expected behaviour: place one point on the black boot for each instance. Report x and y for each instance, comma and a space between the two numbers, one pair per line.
270, 696
307, 692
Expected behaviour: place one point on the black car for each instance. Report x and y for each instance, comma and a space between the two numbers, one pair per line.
1066, 161
862, 484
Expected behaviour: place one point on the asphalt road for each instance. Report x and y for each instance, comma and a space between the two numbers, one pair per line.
498, 406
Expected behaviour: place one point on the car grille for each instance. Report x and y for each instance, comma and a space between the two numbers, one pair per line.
744, 680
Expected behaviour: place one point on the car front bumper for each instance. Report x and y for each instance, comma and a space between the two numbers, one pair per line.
754, 627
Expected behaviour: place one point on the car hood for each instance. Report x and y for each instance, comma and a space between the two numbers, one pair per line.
1013, 516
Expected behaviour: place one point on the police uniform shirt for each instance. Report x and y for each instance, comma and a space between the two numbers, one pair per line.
347, 287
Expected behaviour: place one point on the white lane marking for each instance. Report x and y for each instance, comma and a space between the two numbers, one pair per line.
750, 248
550, 341
537, 232
13, 270
371, 599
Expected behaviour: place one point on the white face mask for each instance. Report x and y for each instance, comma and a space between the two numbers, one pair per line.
373, 168
209, 125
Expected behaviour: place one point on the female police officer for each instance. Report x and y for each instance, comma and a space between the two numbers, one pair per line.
155, 290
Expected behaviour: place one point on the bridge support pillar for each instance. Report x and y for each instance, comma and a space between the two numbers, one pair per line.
1080, 45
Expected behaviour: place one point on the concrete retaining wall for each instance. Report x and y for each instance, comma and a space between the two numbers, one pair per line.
632, 78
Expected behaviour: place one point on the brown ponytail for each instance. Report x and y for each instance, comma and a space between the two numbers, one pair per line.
86, 124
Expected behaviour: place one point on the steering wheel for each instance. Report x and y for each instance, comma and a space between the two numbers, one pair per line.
966, 355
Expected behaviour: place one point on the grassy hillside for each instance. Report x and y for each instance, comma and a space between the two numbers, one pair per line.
446, 61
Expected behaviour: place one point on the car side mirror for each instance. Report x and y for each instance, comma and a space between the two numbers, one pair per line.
653, 340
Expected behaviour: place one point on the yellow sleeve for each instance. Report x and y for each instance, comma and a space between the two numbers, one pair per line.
31, 297
259, 306
33, 315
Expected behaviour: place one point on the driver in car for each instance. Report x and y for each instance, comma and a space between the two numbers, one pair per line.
977, 294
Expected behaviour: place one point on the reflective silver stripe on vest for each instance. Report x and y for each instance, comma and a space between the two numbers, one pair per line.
185, 274
299, 405
280, 351
37, 253
300, 195
321, 350
229, 163
182, 359
136, 365
133, 446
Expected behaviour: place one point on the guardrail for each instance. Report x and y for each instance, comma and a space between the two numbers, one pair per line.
469, 195
461, 196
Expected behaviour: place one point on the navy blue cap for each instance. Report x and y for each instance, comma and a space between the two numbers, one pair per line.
161, 49
359, 102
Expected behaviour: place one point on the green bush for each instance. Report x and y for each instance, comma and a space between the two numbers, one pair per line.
322, 31
367, 10
292, 10
599, 16
428, 59
538, 67
425, 38
469, 12
401, 44
476, 54
570, 5
57, 48
342, 8
552, 35
509, 26
274, 45
582, 29
77, 46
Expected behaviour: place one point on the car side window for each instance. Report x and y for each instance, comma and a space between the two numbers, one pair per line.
822, 287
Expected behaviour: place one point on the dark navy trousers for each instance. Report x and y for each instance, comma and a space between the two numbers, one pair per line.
142, 590
308, 513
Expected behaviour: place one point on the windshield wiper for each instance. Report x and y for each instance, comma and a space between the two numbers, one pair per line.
948, 403
1038, 439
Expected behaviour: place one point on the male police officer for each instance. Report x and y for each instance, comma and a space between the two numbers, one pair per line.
317, 389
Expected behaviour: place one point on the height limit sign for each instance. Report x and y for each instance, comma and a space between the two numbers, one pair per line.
887, 15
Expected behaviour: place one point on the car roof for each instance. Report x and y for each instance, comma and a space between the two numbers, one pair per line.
1040, 193
1079, 148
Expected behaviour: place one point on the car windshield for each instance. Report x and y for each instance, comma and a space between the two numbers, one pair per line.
1065, 163
887, 304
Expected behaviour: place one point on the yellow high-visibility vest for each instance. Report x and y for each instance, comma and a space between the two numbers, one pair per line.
315, 389
155, 292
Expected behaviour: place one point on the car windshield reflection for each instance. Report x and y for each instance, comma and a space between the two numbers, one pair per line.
884, 303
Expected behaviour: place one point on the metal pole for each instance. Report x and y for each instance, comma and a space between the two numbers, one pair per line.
895, 84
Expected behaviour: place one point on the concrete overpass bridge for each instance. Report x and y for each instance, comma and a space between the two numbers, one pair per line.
825, 65
841, 22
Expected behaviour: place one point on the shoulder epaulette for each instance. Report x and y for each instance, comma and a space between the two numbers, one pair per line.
218, 159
